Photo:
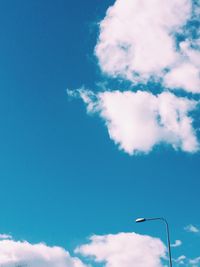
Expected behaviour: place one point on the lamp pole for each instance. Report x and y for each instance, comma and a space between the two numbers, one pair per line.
139, 220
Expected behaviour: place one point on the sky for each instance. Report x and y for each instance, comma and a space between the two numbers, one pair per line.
99, 107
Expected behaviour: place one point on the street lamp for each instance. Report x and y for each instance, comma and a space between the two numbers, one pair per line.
139, 220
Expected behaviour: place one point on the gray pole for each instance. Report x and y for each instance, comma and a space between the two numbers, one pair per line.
168, 236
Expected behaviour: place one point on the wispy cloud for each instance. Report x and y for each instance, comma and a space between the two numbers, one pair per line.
184, 261
195, 262
5, 236
177, 243
192, 229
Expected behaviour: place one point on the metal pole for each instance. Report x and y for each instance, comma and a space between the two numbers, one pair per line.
168, 240
168, 237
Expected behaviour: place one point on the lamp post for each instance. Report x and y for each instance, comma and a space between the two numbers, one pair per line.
139, 220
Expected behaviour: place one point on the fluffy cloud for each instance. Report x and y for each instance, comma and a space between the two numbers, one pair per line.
18, 253
185, 74
138, 41
116, 250
137, 121
141, 41
112, 250
125, 249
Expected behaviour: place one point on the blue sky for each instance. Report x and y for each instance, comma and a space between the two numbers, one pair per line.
62, 178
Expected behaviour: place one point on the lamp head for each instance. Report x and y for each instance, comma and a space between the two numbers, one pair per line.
140, 220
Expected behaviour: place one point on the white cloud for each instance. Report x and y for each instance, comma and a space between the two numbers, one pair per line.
180, 260
14, 253
191, 228
177, 243
112, 250
185, 76
195, 262
125, 249
192, 54
184, 261
137, 41
139, 121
